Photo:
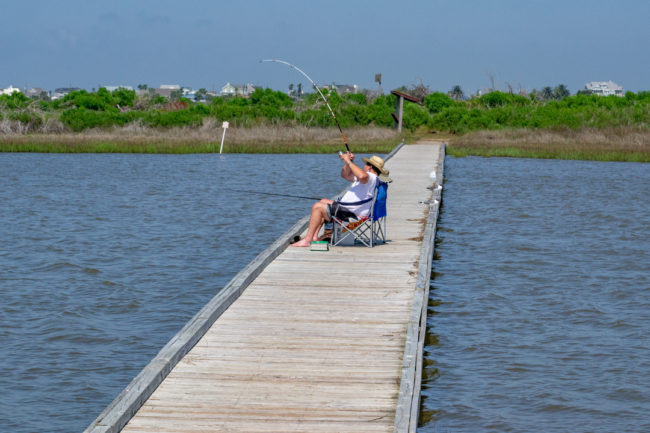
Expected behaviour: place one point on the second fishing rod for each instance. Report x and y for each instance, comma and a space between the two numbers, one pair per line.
273, 194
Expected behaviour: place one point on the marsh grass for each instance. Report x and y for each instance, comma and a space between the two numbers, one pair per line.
606, 144
135, 138
631, 143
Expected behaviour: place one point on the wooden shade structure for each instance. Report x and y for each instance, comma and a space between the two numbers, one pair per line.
399, 107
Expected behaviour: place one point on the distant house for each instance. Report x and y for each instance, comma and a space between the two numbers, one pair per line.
237, 89
166, 90
343, 89
36, 92
604, 88
62, 91
9, 90
114, 88
167, 93
141, 93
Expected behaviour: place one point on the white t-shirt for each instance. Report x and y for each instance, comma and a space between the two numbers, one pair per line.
359, 192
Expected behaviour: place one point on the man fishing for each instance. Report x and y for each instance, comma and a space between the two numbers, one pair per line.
355, 203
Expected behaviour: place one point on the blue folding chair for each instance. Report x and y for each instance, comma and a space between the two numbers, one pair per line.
367, 230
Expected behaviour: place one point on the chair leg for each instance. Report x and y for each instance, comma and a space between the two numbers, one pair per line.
364, 233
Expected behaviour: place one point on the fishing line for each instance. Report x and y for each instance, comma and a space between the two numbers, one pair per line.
345, 141
272, 193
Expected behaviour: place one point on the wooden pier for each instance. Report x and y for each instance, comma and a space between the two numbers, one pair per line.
305, 341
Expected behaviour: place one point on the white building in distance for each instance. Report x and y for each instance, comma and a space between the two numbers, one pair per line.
62, 91
114, 88
604, 88
237, 89
342, 89
9, 90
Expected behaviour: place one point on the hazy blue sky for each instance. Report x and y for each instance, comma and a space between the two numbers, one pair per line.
202, 43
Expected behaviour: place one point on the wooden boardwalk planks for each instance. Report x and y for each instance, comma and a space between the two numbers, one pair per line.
316, 342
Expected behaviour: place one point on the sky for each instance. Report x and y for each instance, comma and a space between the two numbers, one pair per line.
523, 44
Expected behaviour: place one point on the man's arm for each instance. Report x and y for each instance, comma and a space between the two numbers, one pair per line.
346, 172
350, 170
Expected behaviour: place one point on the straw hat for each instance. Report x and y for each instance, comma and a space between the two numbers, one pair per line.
376, 162
384, 177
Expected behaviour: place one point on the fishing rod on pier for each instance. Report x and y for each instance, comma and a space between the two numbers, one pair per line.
345, 141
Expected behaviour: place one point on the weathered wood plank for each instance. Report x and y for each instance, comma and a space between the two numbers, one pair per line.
325, 341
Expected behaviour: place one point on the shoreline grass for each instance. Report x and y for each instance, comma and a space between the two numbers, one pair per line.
631, 144
609, 144
205, 139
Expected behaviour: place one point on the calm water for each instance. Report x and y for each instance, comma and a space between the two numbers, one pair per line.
540, 308
539, 313
103, 258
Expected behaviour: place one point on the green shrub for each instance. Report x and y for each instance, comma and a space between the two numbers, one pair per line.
270, 97
356, 98
14, 101
101, 100
414, 116
450, 119
123, 97
381, 109
500, 99
643, 96
229, 112
200, 109
82, 118
168, 119
320, 117
381, 115
437, 101
357, 114
81, 110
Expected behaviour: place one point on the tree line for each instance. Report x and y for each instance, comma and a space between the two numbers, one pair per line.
442, 111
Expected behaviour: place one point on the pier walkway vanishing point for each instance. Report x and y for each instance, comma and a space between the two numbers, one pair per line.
305, 341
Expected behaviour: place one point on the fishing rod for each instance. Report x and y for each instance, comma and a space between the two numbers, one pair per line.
272, 193
345, 141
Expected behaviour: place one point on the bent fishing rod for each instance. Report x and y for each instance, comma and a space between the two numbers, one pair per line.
345, 141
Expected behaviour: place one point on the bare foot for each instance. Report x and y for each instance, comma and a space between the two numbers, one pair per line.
302, 243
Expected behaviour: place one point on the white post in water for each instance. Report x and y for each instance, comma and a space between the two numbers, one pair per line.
224, 126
